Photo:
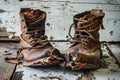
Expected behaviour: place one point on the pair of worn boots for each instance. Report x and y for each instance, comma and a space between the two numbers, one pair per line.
36, 50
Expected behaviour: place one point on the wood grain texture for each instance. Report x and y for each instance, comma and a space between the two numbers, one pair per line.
60, 16
7, 69
115, 49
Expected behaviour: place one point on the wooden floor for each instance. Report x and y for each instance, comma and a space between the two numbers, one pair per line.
12, 72
7, 69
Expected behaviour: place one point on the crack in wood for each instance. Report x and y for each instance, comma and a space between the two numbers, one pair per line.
51, 78
18, 75
112, 55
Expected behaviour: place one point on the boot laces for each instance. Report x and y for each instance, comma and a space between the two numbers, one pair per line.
37, 39
82, 35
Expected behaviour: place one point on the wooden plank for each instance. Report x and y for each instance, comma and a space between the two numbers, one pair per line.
77, 1
59, 28
83, 1
115, 49
7, 69
109, 72
60, 17
42, 4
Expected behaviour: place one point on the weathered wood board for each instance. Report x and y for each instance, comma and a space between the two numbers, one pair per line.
60, 16
110, 72
7, 69
115, 49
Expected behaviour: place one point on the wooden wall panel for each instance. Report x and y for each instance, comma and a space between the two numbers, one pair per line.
60, 16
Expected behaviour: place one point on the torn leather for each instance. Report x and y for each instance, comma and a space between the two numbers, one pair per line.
85, 51
35, 49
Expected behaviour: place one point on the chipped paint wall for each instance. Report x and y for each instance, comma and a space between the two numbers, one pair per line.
60, 16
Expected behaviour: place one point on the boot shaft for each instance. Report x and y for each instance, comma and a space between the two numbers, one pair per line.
89, 21
32, 20
32, 27
85, 51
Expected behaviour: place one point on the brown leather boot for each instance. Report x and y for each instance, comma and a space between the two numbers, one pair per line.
85, 51
35, 49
